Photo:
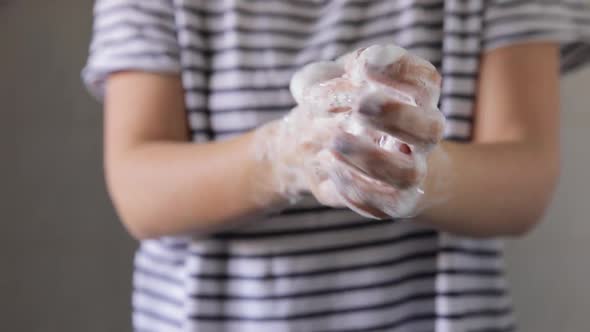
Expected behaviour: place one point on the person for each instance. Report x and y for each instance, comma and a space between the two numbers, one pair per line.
193, 96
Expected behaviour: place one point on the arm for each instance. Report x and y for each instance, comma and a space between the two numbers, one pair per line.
501, 184
161, 183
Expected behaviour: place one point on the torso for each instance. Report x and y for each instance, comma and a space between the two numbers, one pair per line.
312, 268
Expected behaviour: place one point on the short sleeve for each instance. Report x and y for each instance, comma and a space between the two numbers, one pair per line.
131, 35
566, 22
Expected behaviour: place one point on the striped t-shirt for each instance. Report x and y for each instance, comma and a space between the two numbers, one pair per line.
313, 268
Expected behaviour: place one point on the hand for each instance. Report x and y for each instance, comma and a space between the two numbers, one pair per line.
361, 133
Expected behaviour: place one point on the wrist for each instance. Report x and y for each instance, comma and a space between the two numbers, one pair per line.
437, 183
262, 174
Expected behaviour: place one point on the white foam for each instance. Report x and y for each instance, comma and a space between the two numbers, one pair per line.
382, 55
311, 74
376, 56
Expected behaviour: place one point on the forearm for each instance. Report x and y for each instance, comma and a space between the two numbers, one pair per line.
163, 188
489, 189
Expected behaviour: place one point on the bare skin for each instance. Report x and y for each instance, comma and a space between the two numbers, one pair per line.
161, 184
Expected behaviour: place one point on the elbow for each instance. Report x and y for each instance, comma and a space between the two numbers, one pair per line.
132, 208
541, 197
140, 232
528, 221
522, 227
136, 224
136, 227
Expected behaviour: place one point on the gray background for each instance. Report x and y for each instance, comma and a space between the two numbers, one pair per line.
65, 262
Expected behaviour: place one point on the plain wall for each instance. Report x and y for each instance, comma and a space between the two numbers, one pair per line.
65, 262
550, 268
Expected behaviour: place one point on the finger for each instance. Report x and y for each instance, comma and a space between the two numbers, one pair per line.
332, 188
313, 74
337, 95
318, 181
392, 167
347, 60
308, 133
412, 124
411, 76
375, 56
325, 192
393, 67
361, 193
365, 209
371, 197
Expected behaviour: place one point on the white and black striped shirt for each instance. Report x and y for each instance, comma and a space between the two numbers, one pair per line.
312, 268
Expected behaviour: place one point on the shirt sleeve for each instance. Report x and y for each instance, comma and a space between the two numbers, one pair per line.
566, 22
131, 35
